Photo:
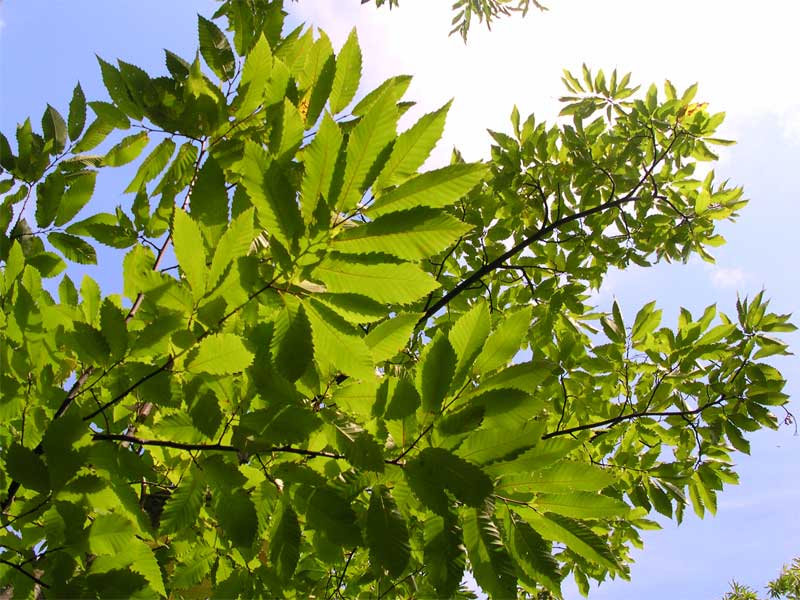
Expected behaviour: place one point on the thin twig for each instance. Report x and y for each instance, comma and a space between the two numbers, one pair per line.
622, 418
344, 572
24, 572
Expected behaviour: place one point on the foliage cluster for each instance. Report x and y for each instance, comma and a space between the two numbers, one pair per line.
359, 379
785, 585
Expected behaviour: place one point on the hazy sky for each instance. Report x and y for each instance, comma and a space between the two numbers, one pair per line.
743, 54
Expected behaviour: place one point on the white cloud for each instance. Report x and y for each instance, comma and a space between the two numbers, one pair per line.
728, 277
741, 54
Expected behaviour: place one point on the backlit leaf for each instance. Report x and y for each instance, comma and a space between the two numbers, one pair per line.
385, 282
435, 189
219, 354
411, 235
412, 148
190, 252
348, 73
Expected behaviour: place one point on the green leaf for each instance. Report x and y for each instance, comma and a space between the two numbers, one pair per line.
94, 135
111, 533
582, 505
373, 133
489, 445
320, 158
277, 212
435, 469
110, 115
577, 536
317, 79
444, 554
284, 550
237, 517
396, 86
48, 198
144, 563
127, 150
331, 515
435, 371
73, 248
80, 188
90, 345
354, 308
220, 354
491, 565
183, 506
152, 165
233, 244
385, 282
54, 128
542, 456
360, 448
468, 336
390, 337
387, 533
348, 73
435, 189
216, 49
255, 73
534, 555
77, 113
287, 135
190, 252
564, 476
331, 333
504, 342
118, 90
403, 401
209, 198
412, 148
279, 424
179, 427
411, 235
114, 329
291, 346
27, 467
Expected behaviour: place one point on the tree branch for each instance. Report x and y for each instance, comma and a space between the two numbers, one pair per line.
24, 572
344, 572
113, 437
539, 234
498, 262
76, 388
622, 418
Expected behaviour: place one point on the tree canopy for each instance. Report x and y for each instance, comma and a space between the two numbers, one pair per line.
331, 374
785, 585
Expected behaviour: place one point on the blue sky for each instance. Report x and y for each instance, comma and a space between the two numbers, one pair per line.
740, 54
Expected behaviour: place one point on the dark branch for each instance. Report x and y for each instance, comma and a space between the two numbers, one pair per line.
498, 262
24, 572
112, 437
344, 572
622, 418
539, 234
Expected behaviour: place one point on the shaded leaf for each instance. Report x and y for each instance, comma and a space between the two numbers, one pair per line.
387, 533
285, 539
